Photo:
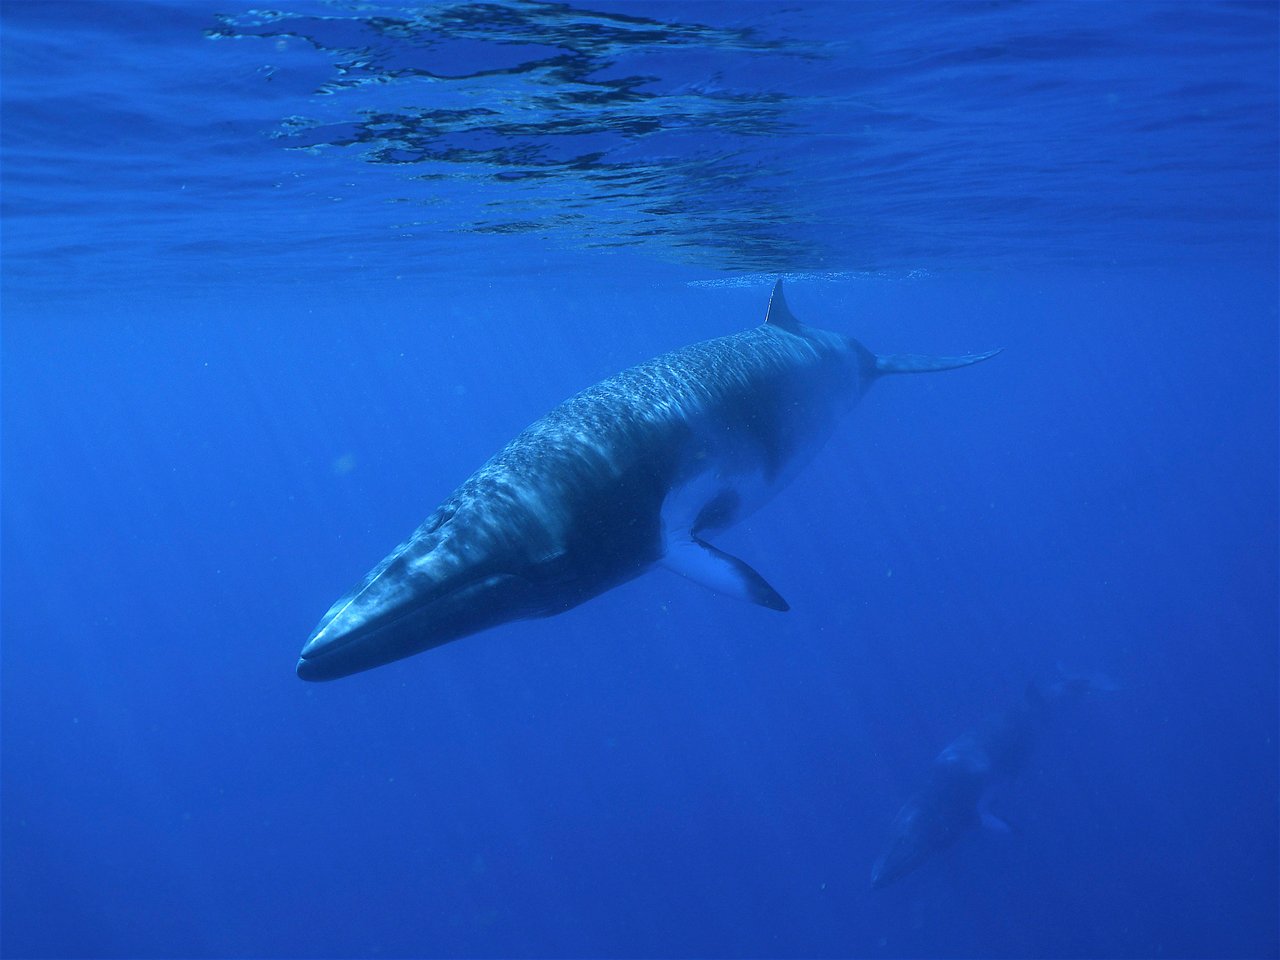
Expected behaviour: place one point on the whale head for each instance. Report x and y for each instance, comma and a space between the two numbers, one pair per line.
434, 588
930, 822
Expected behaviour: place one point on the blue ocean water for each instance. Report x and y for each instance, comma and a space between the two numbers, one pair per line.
276, 280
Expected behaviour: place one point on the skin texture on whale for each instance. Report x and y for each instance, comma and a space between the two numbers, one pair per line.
641, 469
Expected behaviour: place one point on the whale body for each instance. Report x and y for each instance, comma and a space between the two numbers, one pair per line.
639, 470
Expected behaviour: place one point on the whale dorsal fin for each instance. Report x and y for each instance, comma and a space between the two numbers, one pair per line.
989, 821
779, 314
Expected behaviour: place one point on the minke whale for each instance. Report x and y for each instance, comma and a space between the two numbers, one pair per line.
956, 796
642, 469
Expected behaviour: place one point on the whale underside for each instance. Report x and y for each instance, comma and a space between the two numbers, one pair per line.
639, 470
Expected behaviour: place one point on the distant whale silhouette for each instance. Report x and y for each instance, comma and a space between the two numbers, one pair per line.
638, 470
955, 798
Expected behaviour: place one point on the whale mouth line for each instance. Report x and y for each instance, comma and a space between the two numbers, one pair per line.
339, 645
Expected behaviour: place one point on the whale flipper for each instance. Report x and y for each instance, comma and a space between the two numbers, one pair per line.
722, 572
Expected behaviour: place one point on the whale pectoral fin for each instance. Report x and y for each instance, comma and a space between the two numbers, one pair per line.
702, 563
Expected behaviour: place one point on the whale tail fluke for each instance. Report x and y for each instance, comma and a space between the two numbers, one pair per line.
917, 363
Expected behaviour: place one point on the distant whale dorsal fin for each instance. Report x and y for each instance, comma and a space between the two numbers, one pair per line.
990, 821
779, 314
1033, 695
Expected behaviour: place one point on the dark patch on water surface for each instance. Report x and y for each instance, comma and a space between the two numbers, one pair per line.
761, 139
554, 107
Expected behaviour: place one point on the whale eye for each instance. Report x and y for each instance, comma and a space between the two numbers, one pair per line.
438, 519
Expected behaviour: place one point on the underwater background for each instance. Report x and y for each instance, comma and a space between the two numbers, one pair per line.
276, 281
